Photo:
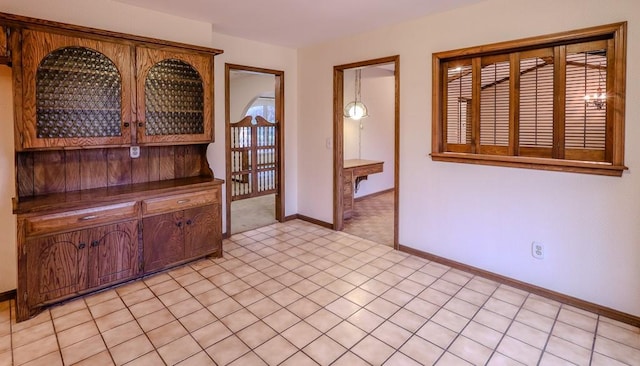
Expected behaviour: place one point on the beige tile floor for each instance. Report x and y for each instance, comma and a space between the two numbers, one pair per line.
373, 218
298, 294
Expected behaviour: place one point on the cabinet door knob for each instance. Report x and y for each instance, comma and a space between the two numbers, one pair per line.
189, 222
82, 245
140, 124
95, 243
126, 125
179, 224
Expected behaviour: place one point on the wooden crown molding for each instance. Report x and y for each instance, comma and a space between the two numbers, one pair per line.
57, 27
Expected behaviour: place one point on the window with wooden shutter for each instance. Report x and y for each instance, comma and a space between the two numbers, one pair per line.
552, 102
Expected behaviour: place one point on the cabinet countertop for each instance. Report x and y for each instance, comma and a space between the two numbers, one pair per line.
101, 196
356, 163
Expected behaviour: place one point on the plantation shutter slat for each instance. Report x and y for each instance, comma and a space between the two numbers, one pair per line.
536, 102
459, 93
494, 104
586, 122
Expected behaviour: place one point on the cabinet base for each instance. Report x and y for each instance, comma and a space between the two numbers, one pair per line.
23, 312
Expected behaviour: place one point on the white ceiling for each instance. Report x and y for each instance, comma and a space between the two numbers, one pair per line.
298, 23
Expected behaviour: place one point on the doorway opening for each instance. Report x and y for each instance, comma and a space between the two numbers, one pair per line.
254, 99
366, 150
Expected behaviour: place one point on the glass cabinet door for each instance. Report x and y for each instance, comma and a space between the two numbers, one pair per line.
174, 97
77, 92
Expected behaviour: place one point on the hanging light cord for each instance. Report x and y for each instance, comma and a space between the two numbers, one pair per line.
358, 80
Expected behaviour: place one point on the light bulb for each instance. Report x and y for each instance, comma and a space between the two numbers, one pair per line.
356, 112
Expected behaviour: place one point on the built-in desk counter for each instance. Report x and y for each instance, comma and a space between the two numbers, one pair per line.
355, 171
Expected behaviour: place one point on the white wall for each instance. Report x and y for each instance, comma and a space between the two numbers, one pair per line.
249, 53
115, 16
488, 216
377, 133
8, 256
245, 88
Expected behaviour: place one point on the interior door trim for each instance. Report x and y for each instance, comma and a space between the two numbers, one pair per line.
279, 104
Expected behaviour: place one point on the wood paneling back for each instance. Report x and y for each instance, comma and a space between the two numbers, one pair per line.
44, 172
3, 43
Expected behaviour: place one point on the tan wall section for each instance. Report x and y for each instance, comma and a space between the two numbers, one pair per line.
8, 256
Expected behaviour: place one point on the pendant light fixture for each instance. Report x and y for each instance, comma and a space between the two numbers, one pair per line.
599, 98
356, 110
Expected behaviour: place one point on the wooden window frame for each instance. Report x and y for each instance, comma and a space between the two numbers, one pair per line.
615, 118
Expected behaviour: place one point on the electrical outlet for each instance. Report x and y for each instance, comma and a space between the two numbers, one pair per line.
134, 152
537, 250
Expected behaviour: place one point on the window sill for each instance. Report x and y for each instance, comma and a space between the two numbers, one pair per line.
572, 166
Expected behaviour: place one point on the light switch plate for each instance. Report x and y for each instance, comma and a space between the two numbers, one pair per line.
134, 152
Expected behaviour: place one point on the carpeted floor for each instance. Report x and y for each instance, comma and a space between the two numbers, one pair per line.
373, 219
252, 213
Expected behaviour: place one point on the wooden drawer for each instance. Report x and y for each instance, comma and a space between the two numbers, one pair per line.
366, 170
77, 219
176, 202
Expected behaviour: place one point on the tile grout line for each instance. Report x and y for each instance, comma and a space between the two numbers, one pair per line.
458, 334
13, 312
221, 322
546, 343
504, 334
93, 319
595, 337
320, 287
134, 318
251, 349
415, 333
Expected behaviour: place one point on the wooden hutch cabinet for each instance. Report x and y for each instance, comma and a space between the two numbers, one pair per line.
91, 213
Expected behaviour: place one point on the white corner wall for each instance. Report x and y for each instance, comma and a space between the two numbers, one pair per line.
244, 89
377, 133
8, 255
485, 216
119, 17
250, 53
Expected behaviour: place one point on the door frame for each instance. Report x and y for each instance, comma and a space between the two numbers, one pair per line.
338, 140
279, 104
